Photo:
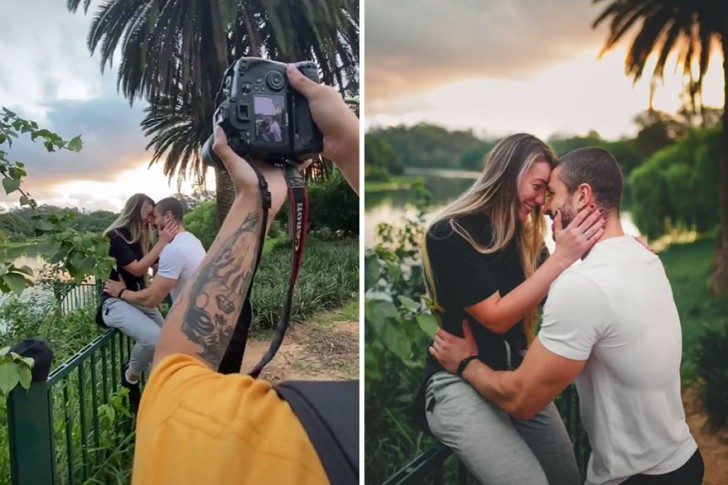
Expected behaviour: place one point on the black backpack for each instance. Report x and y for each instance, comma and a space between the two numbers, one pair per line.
329, 412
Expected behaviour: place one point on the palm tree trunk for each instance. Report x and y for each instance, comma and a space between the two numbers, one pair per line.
718, 282
224, 195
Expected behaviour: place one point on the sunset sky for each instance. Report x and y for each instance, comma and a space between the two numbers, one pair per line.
48, 74
500, 67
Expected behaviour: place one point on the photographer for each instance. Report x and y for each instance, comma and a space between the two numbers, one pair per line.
197, 426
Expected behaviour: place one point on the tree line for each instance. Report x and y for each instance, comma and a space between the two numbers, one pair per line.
389, 151
19, 224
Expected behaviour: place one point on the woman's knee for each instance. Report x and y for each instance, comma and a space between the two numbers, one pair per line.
150, 337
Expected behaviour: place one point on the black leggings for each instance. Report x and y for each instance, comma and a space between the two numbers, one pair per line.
691, 473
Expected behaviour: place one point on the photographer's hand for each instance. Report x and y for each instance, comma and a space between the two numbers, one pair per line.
338, 124
201, 323
244, 178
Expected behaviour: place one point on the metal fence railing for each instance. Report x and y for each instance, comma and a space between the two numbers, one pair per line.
62, 431
428, 466
59, 430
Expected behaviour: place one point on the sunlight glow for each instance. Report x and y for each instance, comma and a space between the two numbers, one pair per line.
572, 97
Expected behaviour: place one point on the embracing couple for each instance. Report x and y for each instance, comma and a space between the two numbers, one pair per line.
609, 323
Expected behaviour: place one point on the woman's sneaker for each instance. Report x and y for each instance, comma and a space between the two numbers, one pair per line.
135, 393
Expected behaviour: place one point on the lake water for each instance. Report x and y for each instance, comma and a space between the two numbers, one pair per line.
31, 256
444, 185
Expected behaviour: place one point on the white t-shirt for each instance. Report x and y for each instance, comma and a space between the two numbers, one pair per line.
179, 260
616, 311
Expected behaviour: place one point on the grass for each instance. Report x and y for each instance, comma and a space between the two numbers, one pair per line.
329, 277
349, 312
688, 267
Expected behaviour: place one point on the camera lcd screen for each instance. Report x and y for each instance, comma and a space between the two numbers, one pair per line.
269, 118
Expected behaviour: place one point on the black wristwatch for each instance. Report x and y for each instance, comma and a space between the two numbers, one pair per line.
464, 363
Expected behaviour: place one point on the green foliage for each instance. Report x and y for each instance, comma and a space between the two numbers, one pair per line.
431, 146
376, 174
332, 204
625, 151
678, 186
687, 267
38, 316
202, 222
74, 252
19, 223
398, 328
329, 277
332, 207
713, 370
14, 370
704, 324
378, 153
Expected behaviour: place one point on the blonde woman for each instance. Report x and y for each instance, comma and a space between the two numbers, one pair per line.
485, 262
130, 245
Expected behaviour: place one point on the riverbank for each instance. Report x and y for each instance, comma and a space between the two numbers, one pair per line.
23, 244
397, 182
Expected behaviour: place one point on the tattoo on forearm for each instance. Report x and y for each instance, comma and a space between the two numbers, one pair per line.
217, 292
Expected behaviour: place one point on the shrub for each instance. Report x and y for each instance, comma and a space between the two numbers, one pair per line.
328, 278
678, 186
713, 370
332, 204
398, 329
202, 222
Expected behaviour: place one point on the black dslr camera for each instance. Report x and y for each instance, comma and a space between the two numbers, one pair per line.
263, 116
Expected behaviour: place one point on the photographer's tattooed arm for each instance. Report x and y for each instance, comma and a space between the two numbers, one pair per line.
201, 323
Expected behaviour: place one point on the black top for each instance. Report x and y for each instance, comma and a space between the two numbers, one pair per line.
463, 277
124, 253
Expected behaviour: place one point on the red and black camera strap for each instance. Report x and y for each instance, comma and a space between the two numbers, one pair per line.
297, 223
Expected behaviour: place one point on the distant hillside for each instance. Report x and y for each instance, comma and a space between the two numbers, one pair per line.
430, 146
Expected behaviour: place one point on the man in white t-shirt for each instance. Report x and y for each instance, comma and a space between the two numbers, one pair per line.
611, 324
178, 261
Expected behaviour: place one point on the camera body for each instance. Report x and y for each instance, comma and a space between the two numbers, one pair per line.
263, 116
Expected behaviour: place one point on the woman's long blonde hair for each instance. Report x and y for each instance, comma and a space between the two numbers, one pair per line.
495, 194
131, 219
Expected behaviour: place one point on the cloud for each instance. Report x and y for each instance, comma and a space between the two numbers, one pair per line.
417, 45
113, 142
47, 74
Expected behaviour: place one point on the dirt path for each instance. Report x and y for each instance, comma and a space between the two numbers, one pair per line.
713, 446
311, 351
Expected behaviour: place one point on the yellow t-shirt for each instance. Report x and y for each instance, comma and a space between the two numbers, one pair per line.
198, 427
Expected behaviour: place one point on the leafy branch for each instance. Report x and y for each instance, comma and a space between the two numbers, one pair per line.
76, 253
14, 370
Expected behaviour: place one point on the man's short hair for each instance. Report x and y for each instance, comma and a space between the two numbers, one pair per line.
173, 206
596, 167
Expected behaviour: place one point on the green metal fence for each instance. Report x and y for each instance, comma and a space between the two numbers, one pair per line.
428, 466
62, 430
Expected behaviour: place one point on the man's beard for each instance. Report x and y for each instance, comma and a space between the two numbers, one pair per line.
567, 214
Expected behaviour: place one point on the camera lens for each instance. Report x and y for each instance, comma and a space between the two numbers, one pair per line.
275, 80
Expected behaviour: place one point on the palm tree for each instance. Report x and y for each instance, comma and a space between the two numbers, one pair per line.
693, 30
174, 54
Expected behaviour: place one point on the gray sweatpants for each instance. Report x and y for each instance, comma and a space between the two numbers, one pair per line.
498, 449
141, 324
